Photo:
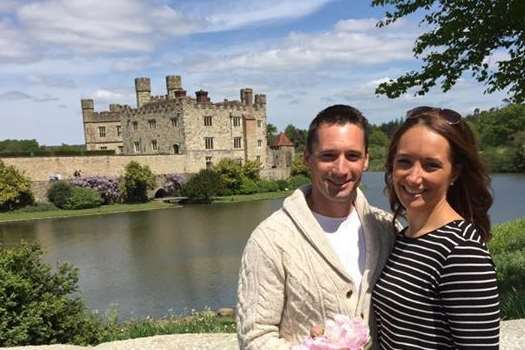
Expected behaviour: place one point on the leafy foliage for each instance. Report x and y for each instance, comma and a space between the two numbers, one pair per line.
298, 181
203, 186
39, 306
271, 133
15, 189
251, 169
59, 193
136, 182
463, 35
8, 146
83, 198
297, 136
107, 187
299, 167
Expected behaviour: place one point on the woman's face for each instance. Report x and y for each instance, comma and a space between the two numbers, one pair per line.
422, 170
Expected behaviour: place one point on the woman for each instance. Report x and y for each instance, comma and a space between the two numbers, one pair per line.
438, 288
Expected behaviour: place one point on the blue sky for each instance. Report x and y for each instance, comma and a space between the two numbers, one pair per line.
303, 54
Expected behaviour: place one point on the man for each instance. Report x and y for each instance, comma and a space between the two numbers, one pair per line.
321, 253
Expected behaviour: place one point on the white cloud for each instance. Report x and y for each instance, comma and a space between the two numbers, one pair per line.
237, 14
12, 48
107, 95
14, 95
356, 42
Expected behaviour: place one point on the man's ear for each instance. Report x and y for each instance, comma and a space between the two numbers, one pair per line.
306, 158
366, 162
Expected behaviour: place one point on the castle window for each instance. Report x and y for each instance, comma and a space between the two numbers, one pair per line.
103, 148
135, 126
208, 142
102, 131
152, 123
176, 149
236, 121
258, 158
209, 163
259, 143
174, 122
136, 147
154, 145
120, 149
259, 123
207, 120
119, 130
237, 142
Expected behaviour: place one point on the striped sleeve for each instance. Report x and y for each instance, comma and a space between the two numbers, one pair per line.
470, 298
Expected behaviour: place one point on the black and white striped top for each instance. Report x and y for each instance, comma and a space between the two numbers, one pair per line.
438, 291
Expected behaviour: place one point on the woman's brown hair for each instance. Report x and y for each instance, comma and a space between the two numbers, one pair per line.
470, 194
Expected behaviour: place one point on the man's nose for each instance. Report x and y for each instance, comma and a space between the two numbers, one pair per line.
341, 166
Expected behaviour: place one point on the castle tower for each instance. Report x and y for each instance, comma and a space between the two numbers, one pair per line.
143, 90
173, 84
260, 99
247, 96
202, 96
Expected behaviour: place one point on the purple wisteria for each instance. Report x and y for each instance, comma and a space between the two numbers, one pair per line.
173, 184
105, 185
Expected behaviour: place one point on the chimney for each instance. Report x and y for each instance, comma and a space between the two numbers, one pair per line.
247, 96
260, 99
202, 96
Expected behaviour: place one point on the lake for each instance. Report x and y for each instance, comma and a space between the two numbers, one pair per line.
180, 259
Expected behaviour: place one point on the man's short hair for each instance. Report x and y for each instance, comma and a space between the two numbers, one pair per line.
336, 114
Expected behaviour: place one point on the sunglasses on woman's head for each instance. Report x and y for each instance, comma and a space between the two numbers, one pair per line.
451, 117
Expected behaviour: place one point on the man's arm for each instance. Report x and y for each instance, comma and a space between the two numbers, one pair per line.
261, 299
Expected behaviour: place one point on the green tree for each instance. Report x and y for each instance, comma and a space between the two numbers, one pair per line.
252, 169
203, 186
271, 132
463, 35
136, 182
299, 167
297, 136
15, 188
230, 172
377, 137
39, 306
16, 146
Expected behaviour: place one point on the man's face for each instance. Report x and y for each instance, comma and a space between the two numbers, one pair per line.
337, 162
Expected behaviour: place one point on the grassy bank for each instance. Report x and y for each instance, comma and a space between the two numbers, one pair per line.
44, 212
198, 322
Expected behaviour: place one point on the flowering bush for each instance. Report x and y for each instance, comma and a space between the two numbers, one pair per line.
173, 184
342, 333
106, 186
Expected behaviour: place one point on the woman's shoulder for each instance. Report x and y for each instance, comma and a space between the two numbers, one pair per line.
461, 232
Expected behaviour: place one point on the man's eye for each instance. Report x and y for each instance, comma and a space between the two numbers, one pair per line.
353, 157
327, 157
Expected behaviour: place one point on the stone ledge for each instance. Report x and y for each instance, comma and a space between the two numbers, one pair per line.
512, 338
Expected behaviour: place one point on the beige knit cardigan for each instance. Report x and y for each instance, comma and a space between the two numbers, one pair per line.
291, 278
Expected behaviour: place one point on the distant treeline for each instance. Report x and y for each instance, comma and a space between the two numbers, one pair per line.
500, 132
31, 148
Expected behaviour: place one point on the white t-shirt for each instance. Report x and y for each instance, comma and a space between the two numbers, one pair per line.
347, 240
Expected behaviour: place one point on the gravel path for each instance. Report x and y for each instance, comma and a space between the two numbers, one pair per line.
512, 338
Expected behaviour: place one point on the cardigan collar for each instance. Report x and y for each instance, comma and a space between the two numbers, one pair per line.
297, 208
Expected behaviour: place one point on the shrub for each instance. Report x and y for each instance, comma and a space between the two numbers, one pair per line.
248, 186
83, 198
267, 186
38, 306
106, 186
203, 186
15, 189
251, 169
231, 173
297, 181
37, 207
299, 167
59, 193
283, 185
136, 182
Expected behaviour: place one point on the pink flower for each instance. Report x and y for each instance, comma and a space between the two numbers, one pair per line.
342, 333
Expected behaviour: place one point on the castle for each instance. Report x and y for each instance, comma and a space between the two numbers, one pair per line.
201, 131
